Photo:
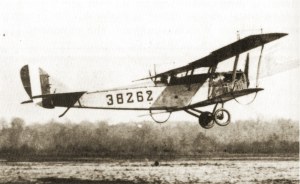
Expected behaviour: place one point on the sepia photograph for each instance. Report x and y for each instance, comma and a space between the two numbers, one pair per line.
149, 92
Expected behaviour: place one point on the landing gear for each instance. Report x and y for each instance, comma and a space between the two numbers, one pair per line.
222, 117
206, 120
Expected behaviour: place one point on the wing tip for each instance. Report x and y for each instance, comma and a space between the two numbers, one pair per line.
280, 35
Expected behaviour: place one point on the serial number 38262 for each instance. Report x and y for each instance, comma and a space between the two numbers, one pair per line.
129, 97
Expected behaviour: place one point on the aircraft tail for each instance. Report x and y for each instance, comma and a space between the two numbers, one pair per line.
25, 78
38, 83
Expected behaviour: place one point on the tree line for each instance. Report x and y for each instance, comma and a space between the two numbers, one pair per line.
145, 139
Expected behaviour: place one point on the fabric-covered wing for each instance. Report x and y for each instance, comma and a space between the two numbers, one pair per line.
227, 52
225, 97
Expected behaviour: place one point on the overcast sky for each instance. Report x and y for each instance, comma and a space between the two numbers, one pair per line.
93, 45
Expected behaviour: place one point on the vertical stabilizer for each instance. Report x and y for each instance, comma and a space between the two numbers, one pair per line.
44, 80
37, 82
25, 78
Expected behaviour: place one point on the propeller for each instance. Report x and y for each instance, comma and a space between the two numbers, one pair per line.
246, 70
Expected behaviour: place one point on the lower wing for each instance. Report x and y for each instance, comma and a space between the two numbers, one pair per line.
224, 97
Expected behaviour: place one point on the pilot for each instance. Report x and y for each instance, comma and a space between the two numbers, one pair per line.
217, 84
164, 79
218, 79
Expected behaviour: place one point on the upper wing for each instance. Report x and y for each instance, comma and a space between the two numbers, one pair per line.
236, 48
226, 52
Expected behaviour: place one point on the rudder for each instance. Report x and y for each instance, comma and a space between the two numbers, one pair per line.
45, 85
25, 78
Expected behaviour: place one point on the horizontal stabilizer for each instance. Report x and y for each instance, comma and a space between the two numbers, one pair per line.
28, 101
60, 99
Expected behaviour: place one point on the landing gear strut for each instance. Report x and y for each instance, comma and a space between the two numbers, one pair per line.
207, 119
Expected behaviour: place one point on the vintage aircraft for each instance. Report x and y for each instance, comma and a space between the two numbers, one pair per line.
169, 91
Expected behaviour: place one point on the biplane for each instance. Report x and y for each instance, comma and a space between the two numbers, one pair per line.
166, 92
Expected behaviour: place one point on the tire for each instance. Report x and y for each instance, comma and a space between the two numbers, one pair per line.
206, 120
219, 116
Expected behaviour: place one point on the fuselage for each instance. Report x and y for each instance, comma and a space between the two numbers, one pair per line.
141, 98
173, 94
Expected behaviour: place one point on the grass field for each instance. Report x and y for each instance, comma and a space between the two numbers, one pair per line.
251, 151
218, 170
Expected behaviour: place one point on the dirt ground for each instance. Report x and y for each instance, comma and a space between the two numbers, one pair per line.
128, 172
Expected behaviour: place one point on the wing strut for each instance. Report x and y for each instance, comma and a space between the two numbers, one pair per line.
258, 66
190, 79
234, 67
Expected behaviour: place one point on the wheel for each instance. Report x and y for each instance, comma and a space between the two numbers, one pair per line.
222, 117
206, 120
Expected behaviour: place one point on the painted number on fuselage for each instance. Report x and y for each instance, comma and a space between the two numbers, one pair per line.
110, 100
130, 97
149, 98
